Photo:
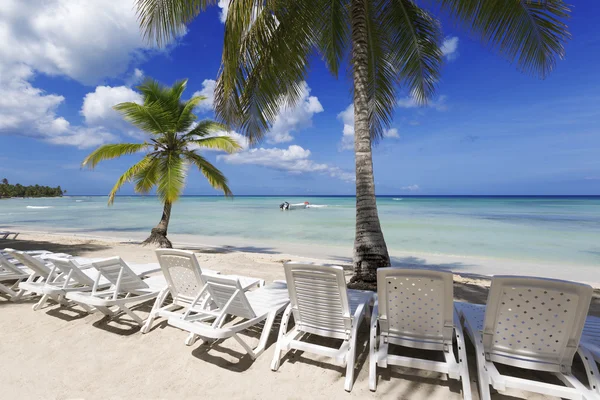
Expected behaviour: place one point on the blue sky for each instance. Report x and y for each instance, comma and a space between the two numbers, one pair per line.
489, 130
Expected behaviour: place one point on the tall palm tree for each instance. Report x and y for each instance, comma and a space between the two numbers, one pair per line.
174, 137
390, 45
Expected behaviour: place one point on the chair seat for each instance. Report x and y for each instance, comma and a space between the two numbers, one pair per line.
357, 298
269, 297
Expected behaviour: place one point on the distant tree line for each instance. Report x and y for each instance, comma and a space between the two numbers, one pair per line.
18, 190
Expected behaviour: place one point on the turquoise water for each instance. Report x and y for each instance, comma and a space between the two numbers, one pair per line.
547, 229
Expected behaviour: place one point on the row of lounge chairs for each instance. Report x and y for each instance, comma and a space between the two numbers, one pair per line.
529, 323
7, 235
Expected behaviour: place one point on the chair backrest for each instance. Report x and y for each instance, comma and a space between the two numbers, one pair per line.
182, 272
534, 323
117, 272
71, 271
8, 268
319, 299
227, 293
416, 307
34, 264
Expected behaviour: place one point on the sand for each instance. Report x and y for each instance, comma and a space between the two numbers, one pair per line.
64, 353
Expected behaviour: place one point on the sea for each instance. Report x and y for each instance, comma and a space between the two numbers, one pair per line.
543, 229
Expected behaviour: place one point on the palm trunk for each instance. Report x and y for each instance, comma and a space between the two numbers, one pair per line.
159, 233
370, 251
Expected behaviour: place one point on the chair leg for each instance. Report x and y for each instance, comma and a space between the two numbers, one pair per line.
191, 339
373, 348
40, 303
160, 299
133, 315
285, 319
350, 358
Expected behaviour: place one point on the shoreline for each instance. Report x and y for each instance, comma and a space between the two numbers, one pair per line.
466, 268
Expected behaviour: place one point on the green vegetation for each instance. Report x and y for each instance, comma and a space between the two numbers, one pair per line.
174, 137
18, 190
389, 47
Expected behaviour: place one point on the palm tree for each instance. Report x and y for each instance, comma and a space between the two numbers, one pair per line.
390, 45
174, 137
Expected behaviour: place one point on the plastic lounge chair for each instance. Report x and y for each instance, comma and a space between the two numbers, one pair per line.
529, 323
6, 234
321, 305
184, 282
127, 289
11, 275
589, 350
250, 308
415, 309
67, 275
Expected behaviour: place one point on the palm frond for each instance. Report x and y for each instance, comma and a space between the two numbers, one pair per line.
532, 32
212, 174
147, 177
267, 45
172, 173
205, 128
186, 115
152, 118
111, 151
414, 43
128, 176
162, 21
225, 143
333, 33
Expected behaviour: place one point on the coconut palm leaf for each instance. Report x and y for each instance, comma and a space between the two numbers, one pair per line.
152, 118
186, 116
205, 128
162, 21
333, 38
210, 172
128, 176
225, 143
532, 32
111, 151
147, 177
172, 173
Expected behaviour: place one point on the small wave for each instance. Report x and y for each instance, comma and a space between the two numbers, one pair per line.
316, 206
78, 201
397, 199
39, 207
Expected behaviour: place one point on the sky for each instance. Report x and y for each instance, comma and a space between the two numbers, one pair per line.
489, 130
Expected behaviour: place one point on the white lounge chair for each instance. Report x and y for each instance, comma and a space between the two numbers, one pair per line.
415, 309
184, 281
589, 350
529, 323
11, 275
322, 305
6, 234
67, 275
127, 289
248, 308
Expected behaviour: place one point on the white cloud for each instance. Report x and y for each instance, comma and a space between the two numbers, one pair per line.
347, 118
224, 6
84, 40
97, 108
137, 76
450, 48
294, 119
411, 188
391, 133
208, 91
438, 104
294, 160
30, 111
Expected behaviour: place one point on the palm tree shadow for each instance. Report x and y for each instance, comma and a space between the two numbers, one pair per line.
74, 249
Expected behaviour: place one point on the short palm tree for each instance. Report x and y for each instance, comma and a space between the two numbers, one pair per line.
390, 45
175, 137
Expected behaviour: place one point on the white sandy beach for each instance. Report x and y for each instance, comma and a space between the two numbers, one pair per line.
59, 353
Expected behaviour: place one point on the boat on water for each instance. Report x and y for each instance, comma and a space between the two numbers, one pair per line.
285, 206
